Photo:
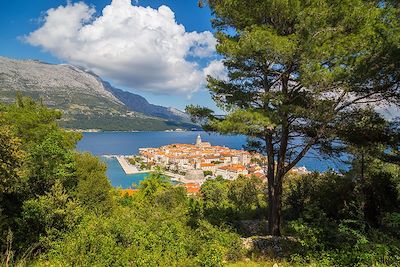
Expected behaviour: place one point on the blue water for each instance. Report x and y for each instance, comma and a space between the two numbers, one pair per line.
128, 143
117, 176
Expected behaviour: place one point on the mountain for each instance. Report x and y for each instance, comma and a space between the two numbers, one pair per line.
86, 100
139, 104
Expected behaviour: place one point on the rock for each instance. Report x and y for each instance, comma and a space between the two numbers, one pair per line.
271, 246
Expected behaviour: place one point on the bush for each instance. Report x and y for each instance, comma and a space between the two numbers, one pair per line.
329, 192
125, 239
349, 247
154, 228
207, 173
229, 201
93, 188
47, 218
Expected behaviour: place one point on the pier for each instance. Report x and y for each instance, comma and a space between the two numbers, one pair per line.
131, 169
127, 167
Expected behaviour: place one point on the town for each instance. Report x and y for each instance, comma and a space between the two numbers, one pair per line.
199, 161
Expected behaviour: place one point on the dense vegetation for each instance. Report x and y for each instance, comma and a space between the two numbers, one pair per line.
108, 122
57, 206
58, 209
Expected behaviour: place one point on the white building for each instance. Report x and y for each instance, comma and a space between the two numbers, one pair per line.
231, 172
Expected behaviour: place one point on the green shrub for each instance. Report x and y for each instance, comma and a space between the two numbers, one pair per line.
93, 189
125, 240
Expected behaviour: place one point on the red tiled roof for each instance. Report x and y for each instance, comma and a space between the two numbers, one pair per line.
192, 188
207, 164
128, 192
233, 167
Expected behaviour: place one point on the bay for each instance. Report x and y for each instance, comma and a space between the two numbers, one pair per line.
128, 143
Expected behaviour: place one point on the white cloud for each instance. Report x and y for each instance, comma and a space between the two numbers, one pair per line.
138, 47
216, 69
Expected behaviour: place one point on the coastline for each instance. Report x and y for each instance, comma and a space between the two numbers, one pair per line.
128, 131
105, 144
127, 167
131, 169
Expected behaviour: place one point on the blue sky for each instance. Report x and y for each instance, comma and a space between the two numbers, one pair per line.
21, 18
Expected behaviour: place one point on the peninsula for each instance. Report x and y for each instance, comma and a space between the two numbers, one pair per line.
194, 163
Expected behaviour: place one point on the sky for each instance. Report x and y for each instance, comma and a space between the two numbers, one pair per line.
162, 50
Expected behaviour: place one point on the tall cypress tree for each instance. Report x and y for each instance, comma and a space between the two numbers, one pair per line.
295, 70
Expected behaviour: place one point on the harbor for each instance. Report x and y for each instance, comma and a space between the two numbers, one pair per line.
127, 167
130, 169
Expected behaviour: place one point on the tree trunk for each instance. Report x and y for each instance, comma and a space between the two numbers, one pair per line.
270, 203
272, 209
274, 191
275, 216
274, 220
275, 204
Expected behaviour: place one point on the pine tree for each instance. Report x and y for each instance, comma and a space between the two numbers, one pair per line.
295, 70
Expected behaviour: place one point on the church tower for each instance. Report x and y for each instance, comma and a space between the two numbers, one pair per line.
198, 140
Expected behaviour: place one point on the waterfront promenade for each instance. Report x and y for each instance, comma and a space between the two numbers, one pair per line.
131, 169
127, 167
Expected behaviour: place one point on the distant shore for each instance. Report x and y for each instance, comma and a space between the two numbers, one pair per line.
132, 131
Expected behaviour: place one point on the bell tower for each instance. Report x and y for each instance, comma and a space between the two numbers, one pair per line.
198, 140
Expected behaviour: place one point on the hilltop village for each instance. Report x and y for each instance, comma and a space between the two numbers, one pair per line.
202, 160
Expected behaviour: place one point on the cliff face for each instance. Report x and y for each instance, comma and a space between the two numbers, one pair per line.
86, 100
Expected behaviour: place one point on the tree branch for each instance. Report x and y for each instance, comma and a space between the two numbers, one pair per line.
299, 156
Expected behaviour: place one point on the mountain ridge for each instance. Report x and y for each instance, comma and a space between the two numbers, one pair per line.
86, 100
140, 104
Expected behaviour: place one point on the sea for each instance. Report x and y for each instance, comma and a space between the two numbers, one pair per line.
128, 143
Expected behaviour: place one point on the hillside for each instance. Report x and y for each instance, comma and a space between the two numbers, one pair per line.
86, 100
138, 103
